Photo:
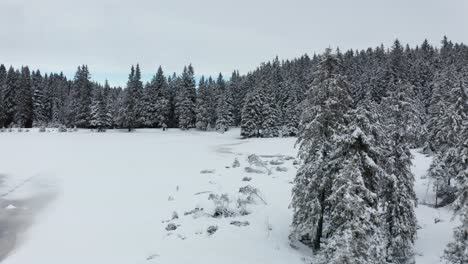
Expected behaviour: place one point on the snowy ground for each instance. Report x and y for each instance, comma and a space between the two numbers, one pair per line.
82, 197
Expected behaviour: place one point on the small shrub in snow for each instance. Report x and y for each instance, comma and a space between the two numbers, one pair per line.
170, 198
282, 169
221, 203
20, 129
288, 157
247, 178
240, 223
251, 192
42, 129
10, 129
2, 129
212, 229
174, 216
207, 171
255, 160
171, 227
197, 212
276, 162
252, 170
236, 163
62, 129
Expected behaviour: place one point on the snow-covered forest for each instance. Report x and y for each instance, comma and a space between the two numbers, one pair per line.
360, 118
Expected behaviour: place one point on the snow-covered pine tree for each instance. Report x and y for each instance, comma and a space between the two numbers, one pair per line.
156, 100
203, 104
238, 94
131, 115
3, 77
9, 96
212, 101
162, 98
457, 250
224, 112
24, 114
398, 202
291, 110
252, 114
449, 114
185, 105
138, 93
336, 188
271, 116
402, 107
38, 99
84, 88
447, 110
99, 114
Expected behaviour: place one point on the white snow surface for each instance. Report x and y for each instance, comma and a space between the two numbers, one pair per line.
432, 236
115, 193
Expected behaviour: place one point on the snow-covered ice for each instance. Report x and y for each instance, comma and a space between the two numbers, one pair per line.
112, 195
111, 203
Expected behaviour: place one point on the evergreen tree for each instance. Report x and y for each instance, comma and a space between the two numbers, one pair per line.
271, 117
185, 106
457, 250
39, 115
336, 188
3, 77
252, 113
224, 112
24, 99
203, 105
9, 96
131, 115
101, 119
83, 86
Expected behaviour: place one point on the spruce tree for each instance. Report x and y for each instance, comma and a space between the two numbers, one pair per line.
24, 99
203, 105
252, 112
83, 86
11, 87
335, 193
185, 105
3, 77
39, 116
457, 250
131, 115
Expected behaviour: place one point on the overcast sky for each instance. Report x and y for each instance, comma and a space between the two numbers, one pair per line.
214, 35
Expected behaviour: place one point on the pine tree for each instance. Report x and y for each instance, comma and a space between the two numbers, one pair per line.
448, 109
38, 99
203, 105
101, 119
24, 99
335, 190
224, 112
252, 112
291, 110
138, 93
9, 96
271, 117
399, 199
185, 105
83, 86
457, 250
3, 77
131, 115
